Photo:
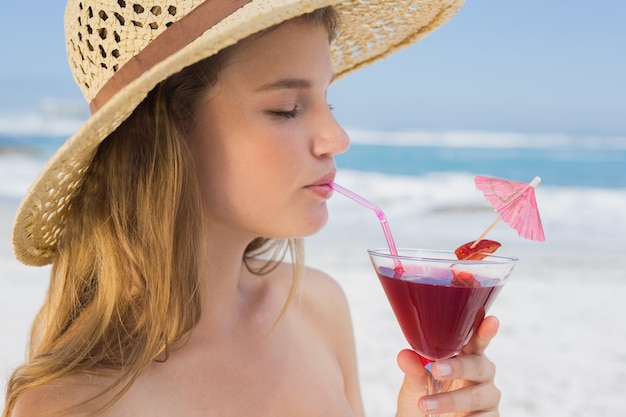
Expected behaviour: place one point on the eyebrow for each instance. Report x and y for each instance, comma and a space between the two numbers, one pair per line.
286, 83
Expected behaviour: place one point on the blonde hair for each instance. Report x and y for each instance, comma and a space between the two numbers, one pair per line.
126, 274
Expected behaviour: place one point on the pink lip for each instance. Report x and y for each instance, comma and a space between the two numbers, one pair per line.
321, 187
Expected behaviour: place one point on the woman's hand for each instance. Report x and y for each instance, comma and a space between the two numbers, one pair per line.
473, 392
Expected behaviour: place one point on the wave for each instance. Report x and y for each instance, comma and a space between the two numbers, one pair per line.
442, 208
437, 209
54, 118
484, 139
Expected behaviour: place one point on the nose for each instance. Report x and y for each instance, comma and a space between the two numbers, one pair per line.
330, 138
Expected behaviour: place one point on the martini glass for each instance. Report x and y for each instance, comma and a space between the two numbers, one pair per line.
439, 300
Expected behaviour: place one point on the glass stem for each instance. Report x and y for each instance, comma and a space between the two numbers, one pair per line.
434, 386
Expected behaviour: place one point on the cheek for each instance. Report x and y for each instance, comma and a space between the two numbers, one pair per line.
247, 175
238, 182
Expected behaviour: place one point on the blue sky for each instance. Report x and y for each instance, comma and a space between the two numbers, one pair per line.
534, 66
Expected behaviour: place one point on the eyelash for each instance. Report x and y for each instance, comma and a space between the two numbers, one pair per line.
291, 114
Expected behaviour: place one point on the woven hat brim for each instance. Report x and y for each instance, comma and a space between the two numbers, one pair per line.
41, 215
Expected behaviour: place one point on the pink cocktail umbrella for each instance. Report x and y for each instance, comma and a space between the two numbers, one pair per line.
515, 203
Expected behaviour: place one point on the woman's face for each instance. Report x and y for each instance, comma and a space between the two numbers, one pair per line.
266, 137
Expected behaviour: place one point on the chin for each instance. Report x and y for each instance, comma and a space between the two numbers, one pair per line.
317, 227
300, 223
312, 226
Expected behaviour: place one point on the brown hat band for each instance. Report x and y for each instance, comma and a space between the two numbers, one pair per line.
172, 40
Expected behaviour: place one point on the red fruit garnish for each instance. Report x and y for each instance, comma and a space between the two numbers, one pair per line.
464, 279
483, 248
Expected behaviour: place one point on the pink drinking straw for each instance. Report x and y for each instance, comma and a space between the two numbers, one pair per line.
379, 213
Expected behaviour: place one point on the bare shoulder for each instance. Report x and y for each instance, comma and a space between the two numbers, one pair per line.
324, 302
40, 401
319, 299
63, 397
316, 289
322, 292
325, 305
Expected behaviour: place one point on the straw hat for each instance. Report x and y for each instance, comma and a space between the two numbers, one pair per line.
120, 50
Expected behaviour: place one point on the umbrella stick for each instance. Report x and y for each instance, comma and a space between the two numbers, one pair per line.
491, 226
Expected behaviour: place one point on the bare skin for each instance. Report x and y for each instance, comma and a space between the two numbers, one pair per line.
265, 139
305, 366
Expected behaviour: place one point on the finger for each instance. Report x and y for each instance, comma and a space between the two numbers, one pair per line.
482, 336
479, 400
409, 362
474, 368
413, 386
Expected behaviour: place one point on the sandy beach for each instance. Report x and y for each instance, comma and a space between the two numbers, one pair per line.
559, 351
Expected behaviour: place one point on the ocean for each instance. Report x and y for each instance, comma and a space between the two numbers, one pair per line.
595, 162
560, 307
576, 163
425, 180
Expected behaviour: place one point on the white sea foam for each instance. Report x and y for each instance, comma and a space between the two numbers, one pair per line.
484, 139
435, 208
442, 208
62, 117
17, 171
54, 117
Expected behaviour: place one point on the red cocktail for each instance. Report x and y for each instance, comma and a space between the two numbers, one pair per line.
437, 320
437, 299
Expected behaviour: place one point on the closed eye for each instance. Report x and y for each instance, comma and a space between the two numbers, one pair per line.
286, 114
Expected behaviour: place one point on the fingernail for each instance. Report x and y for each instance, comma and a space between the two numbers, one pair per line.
429, 404
443, 369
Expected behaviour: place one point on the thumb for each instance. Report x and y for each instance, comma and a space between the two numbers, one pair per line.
414, 384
